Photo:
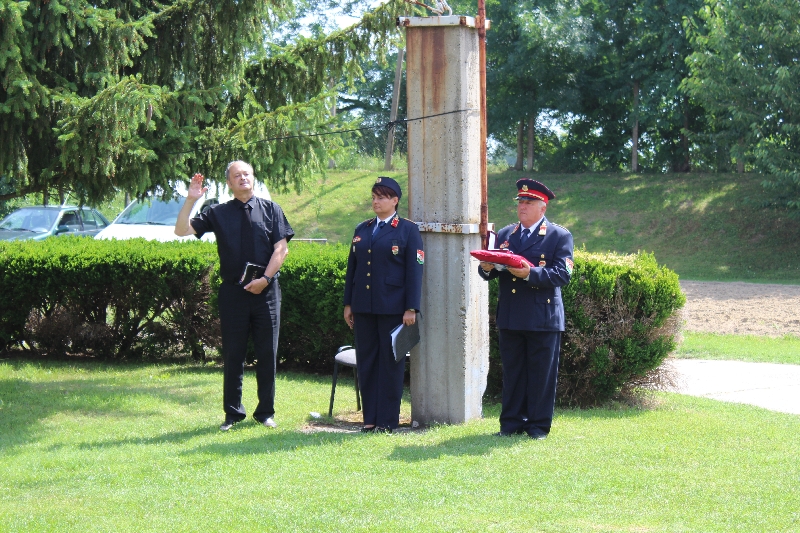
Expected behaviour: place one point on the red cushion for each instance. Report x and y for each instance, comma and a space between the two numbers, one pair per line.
500, 257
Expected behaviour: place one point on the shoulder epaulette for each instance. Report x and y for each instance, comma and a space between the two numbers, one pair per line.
560, 226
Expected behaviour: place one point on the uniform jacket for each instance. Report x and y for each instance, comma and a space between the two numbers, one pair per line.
384, 274
536, 304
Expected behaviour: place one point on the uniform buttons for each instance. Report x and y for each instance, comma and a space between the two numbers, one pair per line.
514, 291
548, 300
369, 263
368, 286
542, 256
369, 251
513, 279
368, 274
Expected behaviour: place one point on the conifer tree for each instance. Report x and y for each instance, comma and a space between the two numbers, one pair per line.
98, 97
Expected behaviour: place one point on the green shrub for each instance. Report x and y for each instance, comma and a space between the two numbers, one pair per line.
108, 299
144, 299
312, 321
622, 320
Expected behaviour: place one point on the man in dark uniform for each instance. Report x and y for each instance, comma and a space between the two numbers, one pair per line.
248, 229
530, 312
383, 287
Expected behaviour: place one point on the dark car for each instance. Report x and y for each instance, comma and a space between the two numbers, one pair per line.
37, 223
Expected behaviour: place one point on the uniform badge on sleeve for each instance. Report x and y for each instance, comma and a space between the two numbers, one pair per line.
395, 250
543, 229
570, 265
420, 257
356, 239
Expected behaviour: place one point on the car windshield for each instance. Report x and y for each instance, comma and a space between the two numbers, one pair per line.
152, 211
37, 220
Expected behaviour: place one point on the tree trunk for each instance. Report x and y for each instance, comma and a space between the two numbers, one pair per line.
398, 74
635, 134
687, 163
531, 140
740, 157
520, 147
331, 162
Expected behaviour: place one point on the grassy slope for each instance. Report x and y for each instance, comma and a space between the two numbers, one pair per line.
703, 226
87, 447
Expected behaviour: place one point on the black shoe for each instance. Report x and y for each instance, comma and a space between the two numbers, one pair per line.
537, 435
504, 434
370, 429
379, 429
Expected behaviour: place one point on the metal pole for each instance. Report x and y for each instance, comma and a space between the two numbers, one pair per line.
482, 59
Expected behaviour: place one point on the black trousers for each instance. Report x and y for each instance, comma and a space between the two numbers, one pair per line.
243, 314
379, 376
530, 373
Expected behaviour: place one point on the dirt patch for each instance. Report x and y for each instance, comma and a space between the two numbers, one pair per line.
742, 308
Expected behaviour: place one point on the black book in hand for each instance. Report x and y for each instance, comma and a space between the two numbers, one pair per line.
404, 338
251, 271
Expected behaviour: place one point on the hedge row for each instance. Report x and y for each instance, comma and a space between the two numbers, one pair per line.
140, 299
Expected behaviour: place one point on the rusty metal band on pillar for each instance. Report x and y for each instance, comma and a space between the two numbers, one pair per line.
481, 24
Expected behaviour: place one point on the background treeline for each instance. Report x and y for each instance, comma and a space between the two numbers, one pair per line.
639, 85
139, 300
124, 96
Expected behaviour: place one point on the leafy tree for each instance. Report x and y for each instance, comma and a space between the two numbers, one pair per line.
124, 95
745, 71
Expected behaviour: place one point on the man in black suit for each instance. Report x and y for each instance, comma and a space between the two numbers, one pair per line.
530, 312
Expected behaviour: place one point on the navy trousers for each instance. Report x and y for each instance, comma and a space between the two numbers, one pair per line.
243, 314
530, 373
379, 377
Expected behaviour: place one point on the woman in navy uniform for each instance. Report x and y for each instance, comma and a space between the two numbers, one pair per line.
530, 312
383, 287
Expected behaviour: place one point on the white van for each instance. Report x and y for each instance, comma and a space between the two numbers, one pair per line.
154, 218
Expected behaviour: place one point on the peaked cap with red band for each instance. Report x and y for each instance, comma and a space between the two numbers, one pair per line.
533, 190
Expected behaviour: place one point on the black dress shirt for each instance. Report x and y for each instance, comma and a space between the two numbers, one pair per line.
269, 225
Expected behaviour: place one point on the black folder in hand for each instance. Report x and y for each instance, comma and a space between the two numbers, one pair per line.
404, 338
251, 271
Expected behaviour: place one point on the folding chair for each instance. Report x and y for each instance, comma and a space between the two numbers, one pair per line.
345, 356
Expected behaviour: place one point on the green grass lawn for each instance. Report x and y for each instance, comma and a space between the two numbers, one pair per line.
750, 348
703, 226
88, 447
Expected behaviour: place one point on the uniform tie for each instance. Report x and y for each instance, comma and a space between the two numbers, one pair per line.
378, 227
525, 234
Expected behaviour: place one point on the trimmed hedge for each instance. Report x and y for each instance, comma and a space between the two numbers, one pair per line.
108, 299
141, 299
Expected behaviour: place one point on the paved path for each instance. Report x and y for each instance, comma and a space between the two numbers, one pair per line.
768, 385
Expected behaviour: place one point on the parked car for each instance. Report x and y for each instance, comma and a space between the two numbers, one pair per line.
40, 222
154, 218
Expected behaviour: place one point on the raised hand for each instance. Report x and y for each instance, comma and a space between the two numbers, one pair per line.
196, 189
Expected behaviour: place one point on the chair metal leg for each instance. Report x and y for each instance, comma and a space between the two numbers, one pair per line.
358, 393
333, 387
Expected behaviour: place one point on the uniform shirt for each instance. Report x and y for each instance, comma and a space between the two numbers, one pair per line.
384, 272
269, 226
534, 304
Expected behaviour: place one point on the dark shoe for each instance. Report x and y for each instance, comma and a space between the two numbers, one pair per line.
537, 435
379, 429
370, 429
504, 434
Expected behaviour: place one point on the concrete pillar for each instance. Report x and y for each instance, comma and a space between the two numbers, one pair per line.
450, 365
